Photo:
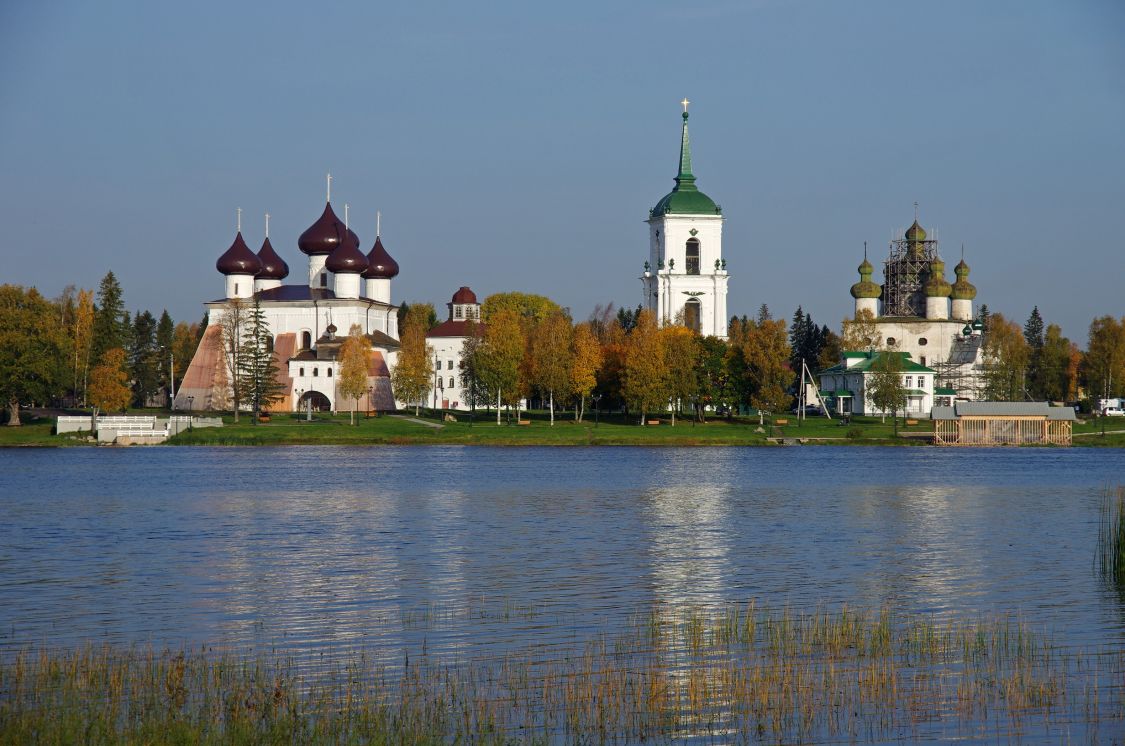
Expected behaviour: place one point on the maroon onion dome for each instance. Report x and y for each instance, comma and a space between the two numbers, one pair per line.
238, 259
347, 258
273, 266
464, 295
380, 265
323, 236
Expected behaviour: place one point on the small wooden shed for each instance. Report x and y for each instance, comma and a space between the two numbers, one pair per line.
992, 423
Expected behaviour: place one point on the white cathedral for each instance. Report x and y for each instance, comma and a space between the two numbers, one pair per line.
685, 277
309, 319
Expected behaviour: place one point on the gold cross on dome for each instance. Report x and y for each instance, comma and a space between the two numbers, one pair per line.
684, 104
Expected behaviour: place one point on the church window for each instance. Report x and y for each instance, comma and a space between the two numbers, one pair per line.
458, 312
324, 279
306, 340
449, 364
693, 256
440, 382
450, 383
923, 360
316, 372
438, 364
909, 381
890, 341
922, 341
329, 372
300, 371
269, 343
692, 315
236, 288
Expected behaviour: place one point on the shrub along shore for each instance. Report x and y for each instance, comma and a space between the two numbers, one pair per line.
431, 428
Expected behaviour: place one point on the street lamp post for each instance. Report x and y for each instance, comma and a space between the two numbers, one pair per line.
190, 402
597, 410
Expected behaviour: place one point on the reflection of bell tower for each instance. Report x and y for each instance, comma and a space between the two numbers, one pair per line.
685, 278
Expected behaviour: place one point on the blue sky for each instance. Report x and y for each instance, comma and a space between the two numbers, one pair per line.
519, 146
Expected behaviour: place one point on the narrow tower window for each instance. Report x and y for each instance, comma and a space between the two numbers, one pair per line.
306, 340
693, 256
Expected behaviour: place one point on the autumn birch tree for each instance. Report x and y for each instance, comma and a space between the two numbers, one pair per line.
109, 384
83, 336
354, 356
231, 324
681, 356
414, 370
550, 352
645, 380
1006, 355
501, 356
585, 361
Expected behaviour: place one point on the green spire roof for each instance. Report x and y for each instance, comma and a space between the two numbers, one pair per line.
685, 198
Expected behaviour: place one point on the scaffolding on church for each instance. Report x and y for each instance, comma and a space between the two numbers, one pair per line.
962, 371
904, 272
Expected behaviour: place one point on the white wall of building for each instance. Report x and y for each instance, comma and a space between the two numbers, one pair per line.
668, 290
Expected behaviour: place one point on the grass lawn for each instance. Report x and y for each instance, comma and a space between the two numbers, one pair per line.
610, 429
482, 429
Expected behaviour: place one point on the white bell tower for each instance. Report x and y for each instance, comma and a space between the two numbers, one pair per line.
685, 277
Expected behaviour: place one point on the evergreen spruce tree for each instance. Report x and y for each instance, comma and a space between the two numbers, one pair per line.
165, 339
798, 338
144, 360
764, 313
259, 371
1033, 333
110, 329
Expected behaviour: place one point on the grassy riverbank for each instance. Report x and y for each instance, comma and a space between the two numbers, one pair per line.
483, 430
609, 429
740, 673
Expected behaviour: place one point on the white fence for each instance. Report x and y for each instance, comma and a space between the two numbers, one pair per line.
111, 427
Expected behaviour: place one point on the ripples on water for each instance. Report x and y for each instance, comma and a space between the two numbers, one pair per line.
479, 550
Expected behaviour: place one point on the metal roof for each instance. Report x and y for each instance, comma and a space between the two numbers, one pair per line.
1003, 409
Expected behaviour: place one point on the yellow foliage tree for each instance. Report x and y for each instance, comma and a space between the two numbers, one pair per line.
681, 358
412, 374
1006, 355
109, 383
585, 361
765, 349
645, 382
524, 305
550, 355
354, 356
501, 357
861, 333
83, 338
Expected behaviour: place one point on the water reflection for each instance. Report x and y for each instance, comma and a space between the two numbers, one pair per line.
467, 549
689, 545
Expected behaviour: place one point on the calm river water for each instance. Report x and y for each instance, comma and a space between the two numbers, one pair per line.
314, 547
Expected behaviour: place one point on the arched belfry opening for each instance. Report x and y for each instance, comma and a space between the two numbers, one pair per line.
692, 314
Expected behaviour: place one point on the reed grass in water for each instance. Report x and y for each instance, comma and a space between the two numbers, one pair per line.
739, 674
1111, 536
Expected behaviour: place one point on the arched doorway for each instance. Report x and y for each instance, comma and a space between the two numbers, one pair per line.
318, 400
692, 312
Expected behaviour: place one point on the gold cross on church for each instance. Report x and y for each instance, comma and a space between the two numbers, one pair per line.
685, 103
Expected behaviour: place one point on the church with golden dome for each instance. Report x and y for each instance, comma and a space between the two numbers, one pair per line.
918, 312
